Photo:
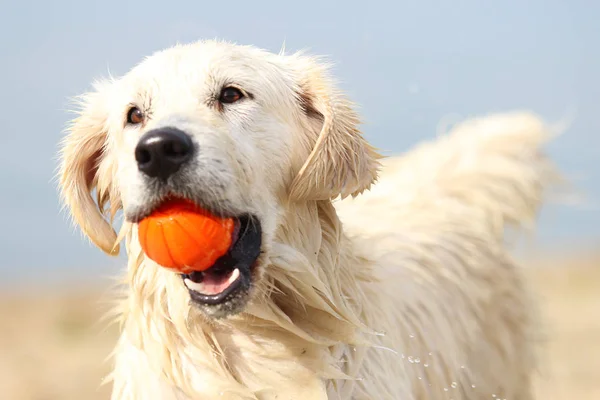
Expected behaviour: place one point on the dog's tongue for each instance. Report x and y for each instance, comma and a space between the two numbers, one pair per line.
213, 283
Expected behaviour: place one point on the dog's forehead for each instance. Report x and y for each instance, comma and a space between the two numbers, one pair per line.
208, 60
186, 75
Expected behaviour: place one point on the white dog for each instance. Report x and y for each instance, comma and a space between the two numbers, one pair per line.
405, 292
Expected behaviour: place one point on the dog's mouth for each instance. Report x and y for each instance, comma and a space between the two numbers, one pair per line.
229, 279
222, 288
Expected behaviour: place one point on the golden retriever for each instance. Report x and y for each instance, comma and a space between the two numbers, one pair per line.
339, 289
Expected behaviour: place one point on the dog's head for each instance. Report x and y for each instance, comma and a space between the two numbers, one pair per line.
239, 131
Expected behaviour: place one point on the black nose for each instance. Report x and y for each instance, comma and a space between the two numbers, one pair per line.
161, 152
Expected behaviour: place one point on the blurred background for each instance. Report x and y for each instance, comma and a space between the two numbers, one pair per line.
413, 66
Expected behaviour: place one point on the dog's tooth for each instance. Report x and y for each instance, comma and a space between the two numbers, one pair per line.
234, 275
197, 287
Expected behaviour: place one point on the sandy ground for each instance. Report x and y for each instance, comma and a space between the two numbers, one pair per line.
570, 300
52, 349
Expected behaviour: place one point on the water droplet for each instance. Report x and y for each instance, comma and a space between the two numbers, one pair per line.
430, 354
454, 385
462, 367
410, 359
473, 386
417, 360
354, 349
426, 365
419, 378
382, 333
494, 396
445, 389
411, 336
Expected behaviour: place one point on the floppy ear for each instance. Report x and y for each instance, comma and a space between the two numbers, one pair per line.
84, 167
341, 162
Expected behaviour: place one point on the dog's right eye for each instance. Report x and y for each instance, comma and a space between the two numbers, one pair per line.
135, 116
230, 95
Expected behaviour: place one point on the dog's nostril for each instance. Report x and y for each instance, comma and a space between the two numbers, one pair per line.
175, 149
142, 156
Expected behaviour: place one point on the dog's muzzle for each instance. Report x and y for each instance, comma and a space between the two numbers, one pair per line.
222, 289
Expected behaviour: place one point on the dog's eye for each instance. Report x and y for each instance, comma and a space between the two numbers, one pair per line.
230, 95
135, 116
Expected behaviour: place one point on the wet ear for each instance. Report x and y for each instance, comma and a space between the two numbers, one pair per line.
341, 162
84, 167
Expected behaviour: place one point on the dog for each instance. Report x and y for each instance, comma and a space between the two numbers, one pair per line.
358, 277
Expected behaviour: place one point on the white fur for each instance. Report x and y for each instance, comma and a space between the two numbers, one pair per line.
409, 294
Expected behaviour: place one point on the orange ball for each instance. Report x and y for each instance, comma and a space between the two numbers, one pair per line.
184, 237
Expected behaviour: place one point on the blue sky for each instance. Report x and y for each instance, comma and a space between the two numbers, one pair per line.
407, 63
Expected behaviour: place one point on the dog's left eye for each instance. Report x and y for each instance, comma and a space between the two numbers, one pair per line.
230, 95
135, 116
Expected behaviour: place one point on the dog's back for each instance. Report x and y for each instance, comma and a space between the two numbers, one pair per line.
457, 316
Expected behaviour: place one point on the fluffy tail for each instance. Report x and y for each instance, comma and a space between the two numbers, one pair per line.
492, 168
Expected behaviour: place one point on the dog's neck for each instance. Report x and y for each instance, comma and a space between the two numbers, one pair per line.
300, 315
